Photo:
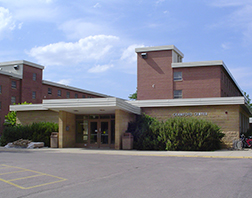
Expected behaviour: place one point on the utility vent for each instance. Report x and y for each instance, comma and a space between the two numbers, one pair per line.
144, 55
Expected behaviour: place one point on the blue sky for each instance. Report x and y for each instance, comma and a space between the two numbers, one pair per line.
91, 44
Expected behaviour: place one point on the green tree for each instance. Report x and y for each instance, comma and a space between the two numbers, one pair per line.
11, 117
133, 96
248, 100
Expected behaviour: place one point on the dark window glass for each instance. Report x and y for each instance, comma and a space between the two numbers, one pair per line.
76, 95
13, 84
177, 76
13, 100
34, 95
177, 93
59, 92
68, 94
34, 76
49, 90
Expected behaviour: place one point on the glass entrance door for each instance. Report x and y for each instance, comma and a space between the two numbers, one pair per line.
94, 133
104, 133
99, 133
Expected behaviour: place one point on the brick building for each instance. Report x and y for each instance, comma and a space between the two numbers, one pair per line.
166, 87
22, 81
163, 75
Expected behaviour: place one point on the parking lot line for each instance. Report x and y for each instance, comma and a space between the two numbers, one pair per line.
59, 179
25, 177
12, 172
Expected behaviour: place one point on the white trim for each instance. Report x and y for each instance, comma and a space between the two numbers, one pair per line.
22, 62
73, 88
89, 103
159, 48
189, 102
28, 107
197, 64
11, 74
207, 63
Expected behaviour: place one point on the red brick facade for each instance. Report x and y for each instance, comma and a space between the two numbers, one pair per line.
29, 87
199, 82
156, 71
154, 76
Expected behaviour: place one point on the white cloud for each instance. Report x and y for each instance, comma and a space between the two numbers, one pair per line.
64, 81
100, 68
78, 28
31, 10
159, 1
225, 46
228, 3
7, 23
86, 49
97, 5
240, 18
129, 54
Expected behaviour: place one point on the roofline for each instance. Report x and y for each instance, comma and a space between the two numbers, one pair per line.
159, 48
11, 74
91, 102
74, 88
58, 104
28, 107
130, 106
207, 63
22, 62
190, 102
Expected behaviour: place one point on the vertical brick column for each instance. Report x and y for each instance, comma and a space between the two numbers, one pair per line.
122, 119
66, 130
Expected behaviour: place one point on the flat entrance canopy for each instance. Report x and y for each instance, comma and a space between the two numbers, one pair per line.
87, 122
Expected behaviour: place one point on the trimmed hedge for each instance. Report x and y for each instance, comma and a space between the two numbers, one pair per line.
175, 134
36, 132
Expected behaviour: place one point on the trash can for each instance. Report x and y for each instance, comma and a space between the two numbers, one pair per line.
127, 141
54, 140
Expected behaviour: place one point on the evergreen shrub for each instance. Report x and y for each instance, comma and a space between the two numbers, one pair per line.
176, 134
36, 132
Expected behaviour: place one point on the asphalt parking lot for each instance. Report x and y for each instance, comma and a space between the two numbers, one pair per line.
92, 173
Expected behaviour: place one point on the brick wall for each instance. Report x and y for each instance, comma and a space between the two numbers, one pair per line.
29, 85
122, 119
66, 130
4, 98
199, 82
225, 116
154, 75
54, 94
228, 87
28, 117
25, 87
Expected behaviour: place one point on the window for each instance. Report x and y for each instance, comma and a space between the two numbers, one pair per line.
177, 94
13, 84
49, 90
34, 95
34, 76
0, 105
177, 76
83, 96
59, 92
13, 100
0, 89
76, 95
68, 94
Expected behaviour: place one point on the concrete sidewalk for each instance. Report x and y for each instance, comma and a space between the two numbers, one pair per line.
245, 153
